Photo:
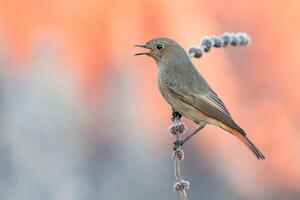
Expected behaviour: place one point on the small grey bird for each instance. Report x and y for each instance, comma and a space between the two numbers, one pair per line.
188, 93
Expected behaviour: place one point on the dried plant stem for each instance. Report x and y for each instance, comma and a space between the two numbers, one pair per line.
180, 185
206, 44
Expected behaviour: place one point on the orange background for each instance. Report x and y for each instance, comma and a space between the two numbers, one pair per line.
82, 118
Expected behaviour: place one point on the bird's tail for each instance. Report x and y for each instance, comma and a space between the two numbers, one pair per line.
246, 141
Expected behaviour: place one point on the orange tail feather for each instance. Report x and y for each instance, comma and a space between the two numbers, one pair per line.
247, 142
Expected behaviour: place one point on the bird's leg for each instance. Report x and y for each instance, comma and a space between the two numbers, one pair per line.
179, 143
201, 126
175, 115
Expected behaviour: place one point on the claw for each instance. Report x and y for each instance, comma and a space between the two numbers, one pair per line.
175, 115
177, 144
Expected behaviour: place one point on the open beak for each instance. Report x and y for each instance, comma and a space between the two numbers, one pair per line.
142, 46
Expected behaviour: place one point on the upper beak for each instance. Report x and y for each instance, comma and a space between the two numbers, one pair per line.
143, 46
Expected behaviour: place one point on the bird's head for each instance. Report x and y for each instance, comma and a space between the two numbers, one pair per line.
162, 49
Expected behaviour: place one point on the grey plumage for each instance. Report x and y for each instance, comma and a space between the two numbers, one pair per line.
188, 92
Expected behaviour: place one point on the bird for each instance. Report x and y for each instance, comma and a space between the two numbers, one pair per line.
188, 93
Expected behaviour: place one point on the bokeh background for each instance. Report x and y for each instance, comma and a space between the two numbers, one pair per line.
82, 118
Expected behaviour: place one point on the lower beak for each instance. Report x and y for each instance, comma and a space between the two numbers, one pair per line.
143, 53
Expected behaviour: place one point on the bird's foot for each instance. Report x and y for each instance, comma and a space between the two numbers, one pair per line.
178, 144
175, 115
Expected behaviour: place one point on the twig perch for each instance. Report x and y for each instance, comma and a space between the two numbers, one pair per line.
234, 39
180, 185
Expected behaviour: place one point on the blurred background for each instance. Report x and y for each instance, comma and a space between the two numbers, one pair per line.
82, 118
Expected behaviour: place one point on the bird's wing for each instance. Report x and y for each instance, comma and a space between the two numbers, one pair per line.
198, 93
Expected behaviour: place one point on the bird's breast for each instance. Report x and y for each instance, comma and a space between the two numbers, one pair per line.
163, 83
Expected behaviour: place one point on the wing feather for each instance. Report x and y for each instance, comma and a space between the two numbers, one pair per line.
202, 97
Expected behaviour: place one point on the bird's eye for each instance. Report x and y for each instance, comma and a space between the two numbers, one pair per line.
159, 46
